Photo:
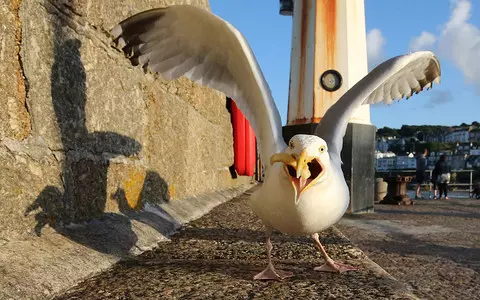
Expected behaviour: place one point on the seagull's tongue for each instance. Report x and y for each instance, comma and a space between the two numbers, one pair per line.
303, 181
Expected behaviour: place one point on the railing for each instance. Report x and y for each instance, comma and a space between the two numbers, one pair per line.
429, 184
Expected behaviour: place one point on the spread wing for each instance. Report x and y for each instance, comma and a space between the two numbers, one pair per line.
393, 79
183, 40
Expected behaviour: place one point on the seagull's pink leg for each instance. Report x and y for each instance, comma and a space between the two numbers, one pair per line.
330, 265
270, 272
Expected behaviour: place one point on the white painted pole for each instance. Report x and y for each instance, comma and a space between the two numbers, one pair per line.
327, 35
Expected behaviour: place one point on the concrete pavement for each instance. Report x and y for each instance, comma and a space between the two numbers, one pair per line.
433, 246
216, 256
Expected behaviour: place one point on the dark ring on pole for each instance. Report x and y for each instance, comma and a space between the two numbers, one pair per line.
331, 80
286, 7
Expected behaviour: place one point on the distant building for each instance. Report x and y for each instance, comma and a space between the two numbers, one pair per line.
464, 156
398, 143
463, 148
475, 151
460, 135
440, 153
434, 138
474, 135
457, 162
473, 162
379, 154
382, 145
406, 162
389, 161
385, 163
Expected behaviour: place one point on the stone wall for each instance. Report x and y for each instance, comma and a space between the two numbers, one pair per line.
82, 132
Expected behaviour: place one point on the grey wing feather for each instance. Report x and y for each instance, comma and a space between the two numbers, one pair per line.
183, 40
394, 79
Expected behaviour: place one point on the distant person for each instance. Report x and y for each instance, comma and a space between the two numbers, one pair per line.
442, 169
476, 190
434, 181
420, 172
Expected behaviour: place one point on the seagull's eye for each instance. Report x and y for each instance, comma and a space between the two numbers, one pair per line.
290, 144
322, 149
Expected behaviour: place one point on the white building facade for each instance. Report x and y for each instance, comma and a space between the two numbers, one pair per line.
461, 136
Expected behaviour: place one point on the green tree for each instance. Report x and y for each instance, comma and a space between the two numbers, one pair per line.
387, 131
407, 131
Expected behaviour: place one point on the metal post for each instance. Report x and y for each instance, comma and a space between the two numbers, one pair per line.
329, 55
470, 188
430, 185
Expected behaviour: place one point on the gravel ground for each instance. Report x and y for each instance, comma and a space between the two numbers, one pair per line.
216, 256
434, 245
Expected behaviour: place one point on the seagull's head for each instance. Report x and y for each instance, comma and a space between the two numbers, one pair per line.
305, 162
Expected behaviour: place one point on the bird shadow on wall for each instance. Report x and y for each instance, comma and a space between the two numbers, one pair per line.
147, 210
85, 162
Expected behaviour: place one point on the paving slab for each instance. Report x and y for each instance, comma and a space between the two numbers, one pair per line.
216, 256
433, 246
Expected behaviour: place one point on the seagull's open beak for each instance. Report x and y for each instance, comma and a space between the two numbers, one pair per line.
303, 171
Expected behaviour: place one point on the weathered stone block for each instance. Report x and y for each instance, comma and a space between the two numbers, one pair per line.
28, 187
105, 136
189, 149
14, 116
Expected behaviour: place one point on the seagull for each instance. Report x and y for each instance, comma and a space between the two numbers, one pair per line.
304, 189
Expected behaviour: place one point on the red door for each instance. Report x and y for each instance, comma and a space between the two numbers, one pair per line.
243, 143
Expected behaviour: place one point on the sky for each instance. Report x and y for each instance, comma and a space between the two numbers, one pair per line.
450, 28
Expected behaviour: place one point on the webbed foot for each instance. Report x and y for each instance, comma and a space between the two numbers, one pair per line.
270, 273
